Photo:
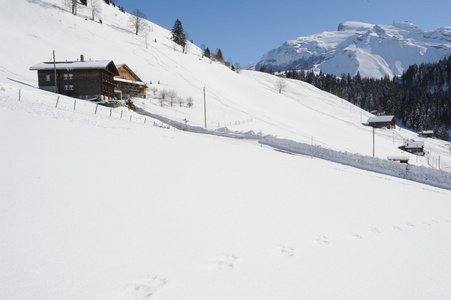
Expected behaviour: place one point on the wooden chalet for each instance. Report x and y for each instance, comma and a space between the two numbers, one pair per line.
427, 133
382, 121
93, 79
414, 147
128, 84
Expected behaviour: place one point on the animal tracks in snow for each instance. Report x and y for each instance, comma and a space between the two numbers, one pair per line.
227, 262
145, 287
322, 240
287, 251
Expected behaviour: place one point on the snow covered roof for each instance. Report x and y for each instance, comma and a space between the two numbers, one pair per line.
380, 119
129, 81
74, 65
414, 144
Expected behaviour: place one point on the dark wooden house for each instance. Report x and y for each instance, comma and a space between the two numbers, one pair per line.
93, 79
414, 147
427, 133
382, 121
128, 84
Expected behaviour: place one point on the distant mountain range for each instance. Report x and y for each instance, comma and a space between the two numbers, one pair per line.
372, 50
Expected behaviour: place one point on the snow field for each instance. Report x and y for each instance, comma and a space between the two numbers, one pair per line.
99, 207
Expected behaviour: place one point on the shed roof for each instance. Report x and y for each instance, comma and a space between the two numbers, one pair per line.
380, 119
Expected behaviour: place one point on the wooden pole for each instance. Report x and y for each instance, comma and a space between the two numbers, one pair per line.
111, 111
57, 100
373, 143
75, 103
19, 94
97, 105
205, 109
311, 148
54, 71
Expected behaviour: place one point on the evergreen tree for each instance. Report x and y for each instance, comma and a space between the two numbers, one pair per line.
178, 34
219, 55
207, 53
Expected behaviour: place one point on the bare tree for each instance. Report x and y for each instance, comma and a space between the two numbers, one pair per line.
172, 94
190, 103
281, 84
72, 5
154, 90
96, 9
180, 101
138, 21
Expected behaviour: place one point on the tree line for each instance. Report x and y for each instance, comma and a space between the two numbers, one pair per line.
420, 98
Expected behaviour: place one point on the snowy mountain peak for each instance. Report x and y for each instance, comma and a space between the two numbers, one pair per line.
373, 50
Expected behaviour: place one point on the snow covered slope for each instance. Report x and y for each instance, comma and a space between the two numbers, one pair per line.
110, 204
372, 50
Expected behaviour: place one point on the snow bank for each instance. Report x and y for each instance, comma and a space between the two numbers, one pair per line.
420, 174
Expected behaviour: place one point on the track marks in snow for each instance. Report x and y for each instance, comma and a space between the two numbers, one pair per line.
145, 287
322, 240
287, 251
227, 262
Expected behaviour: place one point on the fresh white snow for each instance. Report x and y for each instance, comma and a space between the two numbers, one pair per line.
372, 50
100, 203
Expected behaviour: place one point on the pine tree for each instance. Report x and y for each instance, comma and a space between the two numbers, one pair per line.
207, 53
178, 34
219, 55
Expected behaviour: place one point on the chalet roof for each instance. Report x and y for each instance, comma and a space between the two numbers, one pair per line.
129, 81
77, 65
380, 119
414, 144
118, 66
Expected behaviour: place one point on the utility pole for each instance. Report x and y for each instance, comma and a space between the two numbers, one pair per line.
205, 109
54, 69
373, 143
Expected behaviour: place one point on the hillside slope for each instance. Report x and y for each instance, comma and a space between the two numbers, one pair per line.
242, 102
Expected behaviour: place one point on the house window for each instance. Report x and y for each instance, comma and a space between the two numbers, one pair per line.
68, 87
47, 77
68, 76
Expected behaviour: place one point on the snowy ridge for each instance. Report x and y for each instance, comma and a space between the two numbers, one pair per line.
372, 50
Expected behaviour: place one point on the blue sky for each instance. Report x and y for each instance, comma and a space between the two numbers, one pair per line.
245, 30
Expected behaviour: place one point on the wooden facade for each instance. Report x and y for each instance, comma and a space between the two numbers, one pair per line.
382, 121
80, 79
128, 84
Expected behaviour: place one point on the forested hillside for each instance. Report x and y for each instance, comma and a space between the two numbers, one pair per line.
420, 98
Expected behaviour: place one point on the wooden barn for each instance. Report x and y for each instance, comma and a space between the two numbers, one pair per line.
414, 147
93, 79
382, 121
128, 84
427, 133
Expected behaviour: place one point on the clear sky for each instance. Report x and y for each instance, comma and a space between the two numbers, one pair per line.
244, 30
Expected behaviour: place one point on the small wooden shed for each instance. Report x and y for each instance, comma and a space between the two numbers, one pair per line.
427, 133
382, 121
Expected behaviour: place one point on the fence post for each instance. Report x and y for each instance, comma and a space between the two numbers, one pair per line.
111, 110
121, 114
57, 100
75, 103
19, 94
97, 105
130, 117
